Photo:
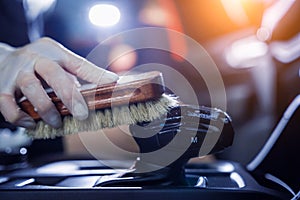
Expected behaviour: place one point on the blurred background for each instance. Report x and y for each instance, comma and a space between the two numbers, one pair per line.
254, 43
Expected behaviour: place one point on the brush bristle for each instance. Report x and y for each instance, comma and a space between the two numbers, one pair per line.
107, 118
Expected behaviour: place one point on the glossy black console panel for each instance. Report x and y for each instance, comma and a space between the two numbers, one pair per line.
77, 179
184, 133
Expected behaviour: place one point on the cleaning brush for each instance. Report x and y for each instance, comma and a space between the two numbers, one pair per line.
132, 99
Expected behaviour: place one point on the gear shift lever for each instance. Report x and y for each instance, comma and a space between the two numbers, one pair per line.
168, 143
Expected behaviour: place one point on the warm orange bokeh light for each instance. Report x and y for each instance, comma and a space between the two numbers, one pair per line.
122, 58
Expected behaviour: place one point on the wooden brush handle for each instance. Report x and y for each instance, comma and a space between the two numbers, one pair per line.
128, 90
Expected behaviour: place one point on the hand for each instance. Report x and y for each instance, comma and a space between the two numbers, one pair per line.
58, 67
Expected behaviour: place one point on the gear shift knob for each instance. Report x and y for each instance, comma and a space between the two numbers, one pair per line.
166, 145
192, 127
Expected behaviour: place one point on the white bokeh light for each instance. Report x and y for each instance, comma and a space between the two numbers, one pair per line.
104, 15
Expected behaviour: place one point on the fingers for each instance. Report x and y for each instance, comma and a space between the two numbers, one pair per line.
35, 93
88, 71
52, 62
12, 112
64, 86
73, 63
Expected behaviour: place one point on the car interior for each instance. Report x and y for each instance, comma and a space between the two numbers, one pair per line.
233, 66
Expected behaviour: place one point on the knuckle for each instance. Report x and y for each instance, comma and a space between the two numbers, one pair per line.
44, 106
43, 63
76, 61
69, 95
26, 79
24, 53
46, 40
66, 95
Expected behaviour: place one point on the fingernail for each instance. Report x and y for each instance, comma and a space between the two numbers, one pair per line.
108, 77
53, 118
80, 111
26, 122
